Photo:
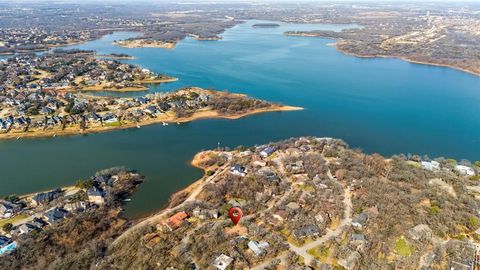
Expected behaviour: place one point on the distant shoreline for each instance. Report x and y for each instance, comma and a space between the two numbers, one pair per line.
404, 58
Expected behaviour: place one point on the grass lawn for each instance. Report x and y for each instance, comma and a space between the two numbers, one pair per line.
12, 219
402, 247
321, 253
114, 124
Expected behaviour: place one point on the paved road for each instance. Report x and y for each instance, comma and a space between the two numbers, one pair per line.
302, 251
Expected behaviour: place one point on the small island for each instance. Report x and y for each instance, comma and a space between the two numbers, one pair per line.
266, 25
118, 56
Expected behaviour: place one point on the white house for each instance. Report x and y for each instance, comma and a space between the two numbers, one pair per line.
465, 170
431, 165
222, 262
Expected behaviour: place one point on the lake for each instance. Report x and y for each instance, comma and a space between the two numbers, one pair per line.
380, 105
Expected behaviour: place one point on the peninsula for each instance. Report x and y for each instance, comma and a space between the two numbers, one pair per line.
307, 202
145, 43
74, 70
63, 113
422, 37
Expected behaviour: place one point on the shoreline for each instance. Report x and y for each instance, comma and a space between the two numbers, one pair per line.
404, 58
202, 114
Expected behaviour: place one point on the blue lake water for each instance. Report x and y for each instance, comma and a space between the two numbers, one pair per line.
380, 105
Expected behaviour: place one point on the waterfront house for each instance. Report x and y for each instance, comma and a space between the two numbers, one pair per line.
110, 118
8, 209
55, 215
267, 151
238, 170
45, 198
222, 262
96, 195
75, 207
142, 100
431, 165
103, 179
465, 170
258, 248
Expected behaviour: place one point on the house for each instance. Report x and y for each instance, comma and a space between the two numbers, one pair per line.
75, 207
96, 195
465, 170
238, 170
350, 261
38, 222
26, 228
142, 100
8, 209
307, 231
280, 216
45, 197
4, 241
297, 167
152, 110
222, 262
269, 174
103, 179
267, 151
431, 165
205, 213
258, 161
359, 221
293, 151
164, 106
293, 206
55, 215
175, 221
110, 119
258, 248
421, 231
358, 238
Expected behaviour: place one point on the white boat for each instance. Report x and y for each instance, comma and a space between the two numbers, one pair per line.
138, 126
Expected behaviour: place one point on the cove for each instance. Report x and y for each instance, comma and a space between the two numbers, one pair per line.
380, 105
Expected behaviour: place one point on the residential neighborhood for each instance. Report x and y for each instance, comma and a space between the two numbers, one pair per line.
26, 215
308, 202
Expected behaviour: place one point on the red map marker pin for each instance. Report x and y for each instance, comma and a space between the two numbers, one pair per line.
235, 214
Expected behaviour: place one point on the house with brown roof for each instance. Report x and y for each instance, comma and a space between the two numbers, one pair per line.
174, 222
